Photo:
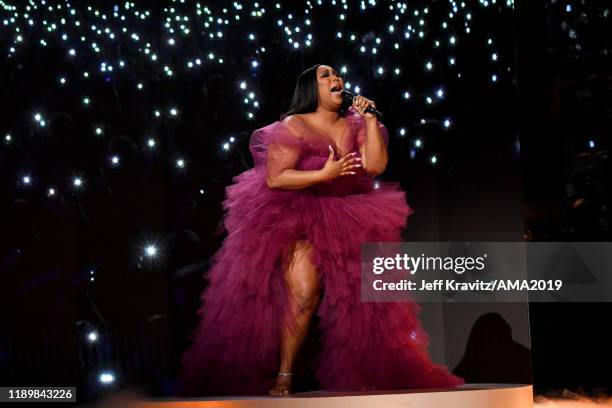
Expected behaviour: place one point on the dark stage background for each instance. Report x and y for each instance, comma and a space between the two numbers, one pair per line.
565, 89
120, 134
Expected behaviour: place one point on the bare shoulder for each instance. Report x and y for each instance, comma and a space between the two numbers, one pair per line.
294, 124
294, 118
290, 119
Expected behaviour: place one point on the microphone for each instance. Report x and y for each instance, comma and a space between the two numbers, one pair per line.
349, 96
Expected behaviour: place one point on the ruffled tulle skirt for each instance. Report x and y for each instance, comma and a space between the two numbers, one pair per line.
235, 347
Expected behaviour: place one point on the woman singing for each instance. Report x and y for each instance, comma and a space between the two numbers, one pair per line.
295, 224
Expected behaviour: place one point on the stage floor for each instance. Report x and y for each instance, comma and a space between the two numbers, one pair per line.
468, 396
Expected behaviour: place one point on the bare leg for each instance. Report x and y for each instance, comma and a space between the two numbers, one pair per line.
305, 289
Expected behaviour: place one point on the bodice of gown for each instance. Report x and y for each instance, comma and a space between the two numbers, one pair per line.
297, 145
314, 158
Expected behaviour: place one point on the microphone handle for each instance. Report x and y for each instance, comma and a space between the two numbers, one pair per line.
374, 111
369, 109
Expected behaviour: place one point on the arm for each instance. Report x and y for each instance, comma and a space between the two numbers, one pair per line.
373, 149
281, 172
283, 157
292, 179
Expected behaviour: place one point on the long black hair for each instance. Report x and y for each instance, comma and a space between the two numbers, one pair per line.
306, 94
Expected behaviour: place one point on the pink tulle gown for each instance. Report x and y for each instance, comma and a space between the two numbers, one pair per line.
235, 348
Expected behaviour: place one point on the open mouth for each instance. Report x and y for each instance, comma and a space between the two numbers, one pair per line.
336, 90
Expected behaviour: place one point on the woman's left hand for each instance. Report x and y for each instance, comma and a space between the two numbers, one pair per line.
360, 104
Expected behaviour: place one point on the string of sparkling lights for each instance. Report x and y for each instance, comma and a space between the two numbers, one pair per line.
92, 34
109, 86
580, 27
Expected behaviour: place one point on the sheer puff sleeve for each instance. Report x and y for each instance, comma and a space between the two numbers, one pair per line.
277, 146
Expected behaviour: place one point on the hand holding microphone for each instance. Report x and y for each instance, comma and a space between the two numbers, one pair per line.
364, 106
